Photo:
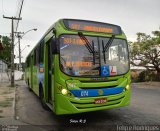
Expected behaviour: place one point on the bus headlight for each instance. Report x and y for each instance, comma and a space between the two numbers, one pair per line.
127, 87
64, 91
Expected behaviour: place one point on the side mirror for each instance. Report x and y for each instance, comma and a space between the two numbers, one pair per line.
54, 45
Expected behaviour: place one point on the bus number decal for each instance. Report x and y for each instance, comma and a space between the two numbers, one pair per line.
84, 93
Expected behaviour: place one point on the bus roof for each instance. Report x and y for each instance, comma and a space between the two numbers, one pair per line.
86, 26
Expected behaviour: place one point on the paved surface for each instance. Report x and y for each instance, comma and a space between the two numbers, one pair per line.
7, 96
7, 104
144, 110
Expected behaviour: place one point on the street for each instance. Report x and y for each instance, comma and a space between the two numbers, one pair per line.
143, 110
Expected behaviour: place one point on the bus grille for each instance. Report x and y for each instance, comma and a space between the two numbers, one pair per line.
87, 105
101, 84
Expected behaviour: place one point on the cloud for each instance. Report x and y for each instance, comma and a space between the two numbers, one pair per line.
133, 16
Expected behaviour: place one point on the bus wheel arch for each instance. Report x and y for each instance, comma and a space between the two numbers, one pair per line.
41, 96
27, 82
28, 85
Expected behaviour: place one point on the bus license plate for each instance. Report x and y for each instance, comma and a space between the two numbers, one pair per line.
100, 101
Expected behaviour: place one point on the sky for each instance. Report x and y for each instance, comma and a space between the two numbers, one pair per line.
132, 15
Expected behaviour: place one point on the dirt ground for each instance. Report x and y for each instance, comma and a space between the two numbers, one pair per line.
7, 95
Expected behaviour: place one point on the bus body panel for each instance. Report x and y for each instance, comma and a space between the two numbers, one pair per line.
65, 105
70, 104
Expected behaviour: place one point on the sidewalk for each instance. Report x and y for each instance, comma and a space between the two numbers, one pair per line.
7, 104
147, 85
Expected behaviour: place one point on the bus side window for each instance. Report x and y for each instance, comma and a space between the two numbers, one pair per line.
28, 62
41, 50
54, 45
34, 56
37, 55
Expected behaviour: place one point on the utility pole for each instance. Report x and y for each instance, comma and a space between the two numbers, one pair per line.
19, 47
12, 47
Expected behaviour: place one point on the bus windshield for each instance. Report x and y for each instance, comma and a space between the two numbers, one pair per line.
92, 56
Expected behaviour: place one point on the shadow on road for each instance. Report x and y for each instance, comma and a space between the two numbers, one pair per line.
87, 118
98, 120
144, 110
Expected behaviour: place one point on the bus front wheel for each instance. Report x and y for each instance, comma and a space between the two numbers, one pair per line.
29, 86
41, 95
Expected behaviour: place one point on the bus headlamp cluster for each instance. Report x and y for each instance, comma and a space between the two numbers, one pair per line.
64, 91
127, 87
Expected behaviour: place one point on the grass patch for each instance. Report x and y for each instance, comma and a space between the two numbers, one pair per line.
5, 103
5, 92
10, 86
1, 111
9, 99
1, 116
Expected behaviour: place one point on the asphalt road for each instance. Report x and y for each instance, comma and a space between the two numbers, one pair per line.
144, 110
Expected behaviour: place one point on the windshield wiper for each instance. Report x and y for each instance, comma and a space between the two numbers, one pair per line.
88, 45
106, 47
104, 56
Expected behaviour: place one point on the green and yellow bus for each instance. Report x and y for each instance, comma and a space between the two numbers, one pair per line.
80, 66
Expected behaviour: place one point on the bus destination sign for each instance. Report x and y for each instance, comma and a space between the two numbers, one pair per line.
92, 26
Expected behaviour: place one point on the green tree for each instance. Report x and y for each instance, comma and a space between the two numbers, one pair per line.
5, 54
146, 51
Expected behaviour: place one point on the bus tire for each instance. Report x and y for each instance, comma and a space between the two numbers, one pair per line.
29, 86
41, 96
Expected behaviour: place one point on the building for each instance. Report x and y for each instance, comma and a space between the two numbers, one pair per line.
4, 75
3, 66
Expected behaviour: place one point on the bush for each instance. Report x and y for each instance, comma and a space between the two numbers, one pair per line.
134, 76
148, 75
142, 76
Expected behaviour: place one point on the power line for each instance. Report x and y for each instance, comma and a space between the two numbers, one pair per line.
19, 11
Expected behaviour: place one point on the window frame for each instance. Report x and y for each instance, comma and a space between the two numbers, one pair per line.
90, 76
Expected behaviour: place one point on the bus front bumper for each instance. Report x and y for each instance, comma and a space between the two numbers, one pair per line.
67, 105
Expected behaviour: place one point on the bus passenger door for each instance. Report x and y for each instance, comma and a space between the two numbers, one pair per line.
31, 72
49, 73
